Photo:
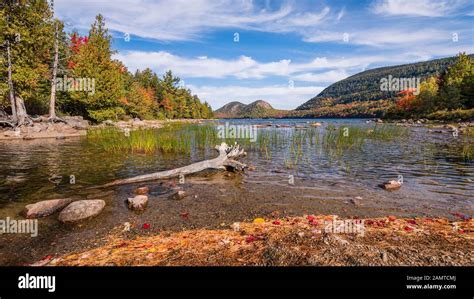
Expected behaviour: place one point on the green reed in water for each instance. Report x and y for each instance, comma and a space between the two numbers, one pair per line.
167, 139
185, 138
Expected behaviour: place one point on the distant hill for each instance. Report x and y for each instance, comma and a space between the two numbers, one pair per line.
257, 109
360, 94
230, 110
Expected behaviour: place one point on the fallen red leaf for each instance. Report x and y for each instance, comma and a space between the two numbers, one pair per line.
146, 226
184, 215
392, 218
276, 222
250, 239
411, 221
121, 245
459, 215
310, 218
408, 229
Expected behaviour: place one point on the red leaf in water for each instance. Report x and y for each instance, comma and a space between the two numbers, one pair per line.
146, 226
408, 229
459, 215
250, 239
276, 222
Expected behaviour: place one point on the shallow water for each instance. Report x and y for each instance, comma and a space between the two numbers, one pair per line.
437, 181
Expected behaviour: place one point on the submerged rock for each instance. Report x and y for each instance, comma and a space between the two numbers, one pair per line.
137, 203
391, 185
142, 190
45, 208
180, 194
81, 210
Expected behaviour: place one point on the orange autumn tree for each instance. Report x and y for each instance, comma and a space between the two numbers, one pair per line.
406, 100
140, 102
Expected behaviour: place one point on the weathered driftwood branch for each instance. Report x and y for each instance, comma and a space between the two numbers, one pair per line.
225, 161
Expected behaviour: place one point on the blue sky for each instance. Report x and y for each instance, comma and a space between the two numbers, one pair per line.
284, 52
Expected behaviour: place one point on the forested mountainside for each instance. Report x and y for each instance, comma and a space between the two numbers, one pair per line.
365, 86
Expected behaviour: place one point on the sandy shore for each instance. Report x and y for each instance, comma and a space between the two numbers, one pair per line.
308, 240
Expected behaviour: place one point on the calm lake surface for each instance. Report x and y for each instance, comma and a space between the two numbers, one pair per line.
437, 182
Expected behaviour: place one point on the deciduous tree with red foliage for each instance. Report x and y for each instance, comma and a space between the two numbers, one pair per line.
406, 100
76, 43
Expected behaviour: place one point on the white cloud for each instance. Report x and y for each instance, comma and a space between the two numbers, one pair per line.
244, 67
426, 8
330, 76
341, 14
382, 37
176, 20
279, 96
319, 69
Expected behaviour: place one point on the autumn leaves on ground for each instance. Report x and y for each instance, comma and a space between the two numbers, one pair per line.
289, 241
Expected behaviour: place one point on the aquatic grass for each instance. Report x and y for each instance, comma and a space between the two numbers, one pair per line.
297, 144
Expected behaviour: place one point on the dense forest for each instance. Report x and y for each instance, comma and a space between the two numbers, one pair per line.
45, 70
361, 96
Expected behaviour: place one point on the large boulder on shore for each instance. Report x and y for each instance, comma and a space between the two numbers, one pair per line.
137, 203
81, 210
45, 208
76, 122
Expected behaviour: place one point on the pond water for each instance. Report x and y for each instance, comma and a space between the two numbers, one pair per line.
286, 181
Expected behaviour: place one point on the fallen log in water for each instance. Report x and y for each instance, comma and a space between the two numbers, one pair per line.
225, 161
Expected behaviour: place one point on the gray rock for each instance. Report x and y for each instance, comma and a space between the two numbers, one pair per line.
81, 210
76, 122
45, 208
137, 203
178, 195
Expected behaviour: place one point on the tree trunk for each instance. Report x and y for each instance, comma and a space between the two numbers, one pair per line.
224, 161
52, 101
22, 116
10, 84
